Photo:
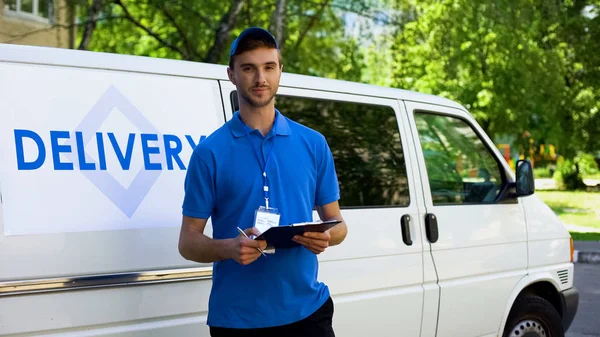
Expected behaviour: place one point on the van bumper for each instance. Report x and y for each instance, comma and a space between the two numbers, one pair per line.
570, 304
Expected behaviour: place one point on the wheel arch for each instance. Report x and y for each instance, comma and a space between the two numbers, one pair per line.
543, 286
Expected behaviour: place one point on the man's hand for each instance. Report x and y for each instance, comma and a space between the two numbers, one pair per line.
243, 249
314, 241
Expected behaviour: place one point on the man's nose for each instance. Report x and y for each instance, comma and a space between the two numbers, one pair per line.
260, 77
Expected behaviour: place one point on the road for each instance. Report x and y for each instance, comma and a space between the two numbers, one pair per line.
587, 320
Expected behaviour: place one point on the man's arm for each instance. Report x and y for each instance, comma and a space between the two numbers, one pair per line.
332, 211
318, 242
195, 246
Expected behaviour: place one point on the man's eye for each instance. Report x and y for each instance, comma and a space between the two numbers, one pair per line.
247, 68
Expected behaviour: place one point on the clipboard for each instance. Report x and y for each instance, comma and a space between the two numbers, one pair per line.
281, 236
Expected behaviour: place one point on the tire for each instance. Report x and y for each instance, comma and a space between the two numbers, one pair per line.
533, 316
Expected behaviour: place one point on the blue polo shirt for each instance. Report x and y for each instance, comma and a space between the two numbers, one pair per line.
224, 181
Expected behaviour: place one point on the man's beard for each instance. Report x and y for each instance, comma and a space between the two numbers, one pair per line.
255, 103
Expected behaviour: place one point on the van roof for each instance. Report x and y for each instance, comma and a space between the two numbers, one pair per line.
109, 61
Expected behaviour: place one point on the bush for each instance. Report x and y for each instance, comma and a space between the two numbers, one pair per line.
587, 164
542, 172
567, 175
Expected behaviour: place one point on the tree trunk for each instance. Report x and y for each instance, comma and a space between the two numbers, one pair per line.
72, 15
226, 25
278, 23
91, 24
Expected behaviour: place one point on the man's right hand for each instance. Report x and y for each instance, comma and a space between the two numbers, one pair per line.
244, 249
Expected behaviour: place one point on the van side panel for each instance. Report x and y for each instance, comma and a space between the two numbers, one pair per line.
92, 164
110, 311
481, 249
549, 240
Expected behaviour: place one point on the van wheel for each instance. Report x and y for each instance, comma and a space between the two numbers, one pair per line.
533, 316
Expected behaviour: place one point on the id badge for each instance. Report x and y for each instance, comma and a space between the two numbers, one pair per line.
266, 218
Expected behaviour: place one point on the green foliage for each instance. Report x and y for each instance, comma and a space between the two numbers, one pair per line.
313, 41
585, 236
567, 175
519, 66
587, 164
542, 172
486, 55
569, 172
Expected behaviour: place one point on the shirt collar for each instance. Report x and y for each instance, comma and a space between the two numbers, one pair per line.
236, 125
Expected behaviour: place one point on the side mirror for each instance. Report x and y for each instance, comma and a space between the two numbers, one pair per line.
525, 181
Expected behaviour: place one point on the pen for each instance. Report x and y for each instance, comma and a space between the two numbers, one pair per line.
244, 234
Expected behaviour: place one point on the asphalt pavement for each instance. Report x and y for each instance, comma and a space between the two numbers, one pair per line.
587, 320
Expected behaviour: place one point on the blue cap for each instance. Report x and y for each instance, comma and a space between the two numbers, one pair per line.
253, 33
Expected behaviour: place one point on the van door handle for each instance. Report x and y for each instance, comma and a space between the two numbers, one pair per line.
405, 226
431, 227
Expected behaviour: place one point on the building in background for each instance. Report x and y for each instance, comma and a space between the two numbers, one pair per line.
48, 23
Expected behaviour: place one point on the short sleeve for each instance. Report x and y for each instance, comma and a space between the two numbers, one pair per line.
328, 189
199, 185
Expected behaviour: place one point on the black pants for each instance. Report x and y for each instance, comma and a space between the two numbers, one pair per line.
316, 325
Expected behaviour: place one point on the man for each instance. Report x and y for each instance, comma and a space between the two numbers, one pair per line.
261, 166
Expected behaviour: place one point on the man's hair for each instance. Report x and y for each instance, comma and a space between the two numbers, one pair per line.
251, 43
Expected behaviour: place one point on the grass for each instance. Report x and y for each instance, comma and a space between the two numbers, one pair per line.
576, 208
592, 176
585, 236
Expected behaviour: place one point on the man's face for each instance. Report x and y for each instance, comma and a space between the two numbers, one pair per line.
256, 75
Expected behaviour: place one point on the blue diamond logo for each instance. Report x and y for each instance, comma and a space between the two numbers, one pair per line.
126, 199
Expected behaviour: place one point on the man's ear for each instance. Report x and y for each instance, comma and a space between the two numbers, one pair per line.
230, 75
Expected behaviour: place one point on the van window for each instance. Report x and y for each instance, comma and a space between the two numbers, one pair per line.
365, 144
460, 168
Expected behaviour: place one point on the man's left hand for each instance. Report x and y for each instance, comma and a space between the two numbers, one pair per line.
314, 241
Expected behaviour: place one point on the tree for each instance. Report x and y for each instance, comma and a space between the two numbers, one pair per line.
517, 65
310, 33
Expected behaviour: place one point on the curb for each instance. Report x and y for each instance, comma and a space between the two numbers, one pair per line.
586, 257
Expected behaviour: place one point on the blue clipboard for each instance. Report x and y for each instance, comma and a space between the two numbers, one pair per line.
281, 236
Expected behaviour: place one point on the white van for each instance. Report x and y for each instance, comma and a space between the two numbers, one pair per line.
443, 239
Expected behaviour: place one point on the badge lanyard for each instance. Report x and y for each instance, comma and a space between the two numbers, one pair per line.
260, 162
